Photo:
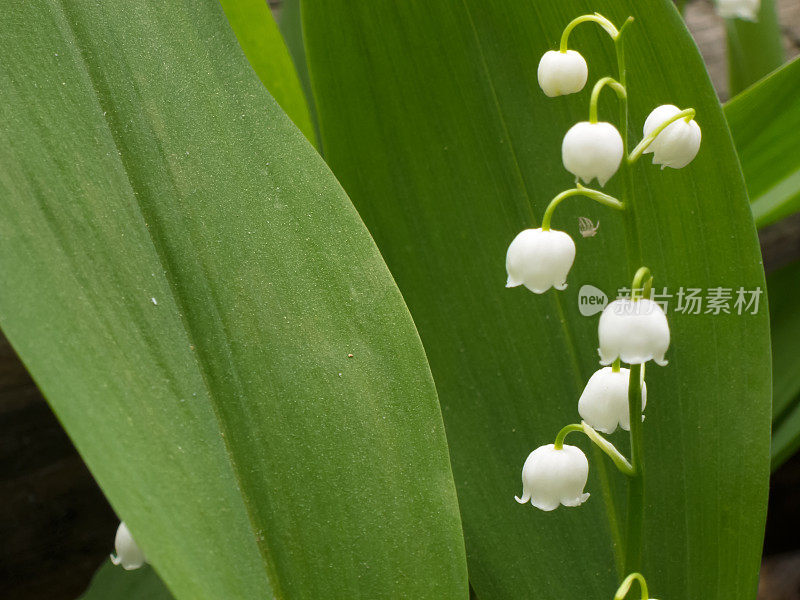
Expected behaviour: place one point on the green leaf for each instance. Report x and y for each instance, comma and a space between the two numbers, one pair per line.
784, 290
114, 583
291, 27
433, 120
258, 34
186, 281
786, 435
760, 119
754, 48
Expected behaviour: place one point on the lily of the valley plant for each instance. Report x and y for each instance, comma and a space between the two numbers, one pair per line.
631, 330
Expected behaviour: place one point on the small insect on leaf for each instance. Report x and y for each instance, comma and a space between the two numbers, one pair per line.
587, 228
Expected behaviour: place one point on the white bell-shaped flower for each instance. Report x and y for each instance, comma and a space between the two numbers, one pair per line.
592, 150
128, 554
562, 73
551, 477
677, 145
540, 259
604, 401
634, 331
739, 9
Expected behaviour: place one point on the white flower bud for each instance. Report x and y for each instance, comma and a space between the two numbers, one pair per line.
604, 401
540, 260
677, 145
551, 477
592, 150
633, 331
128, 554
562, 73
739, 9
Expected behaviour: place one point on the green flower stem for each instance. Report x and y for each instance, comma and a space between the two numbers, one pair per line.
626, 172
634, 524
559, 443
615, 365
686, 115
605, 81
595, 195
643, 282
595, 18
635, 504
615, 455
625, 586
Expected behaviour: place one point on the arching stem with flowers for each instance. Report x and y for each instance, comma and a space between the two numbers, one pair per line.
632, 330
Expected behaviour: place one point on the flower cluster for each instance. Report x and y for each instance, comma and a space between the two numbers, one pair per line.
631, 330
541, 258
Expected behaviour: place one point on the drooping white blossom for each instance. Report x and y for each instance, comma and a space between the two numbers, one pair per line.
592, 150
604, 401
634, 331
128, 554
739, 9
678, 144
551, 477
540, 259
562, 73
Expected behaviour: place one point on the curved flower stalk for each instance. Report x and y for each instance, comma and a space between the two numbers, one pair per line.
557, 473
672, 135
632, 330
565, 71
541, 258
626, 584
591, 149
128, 554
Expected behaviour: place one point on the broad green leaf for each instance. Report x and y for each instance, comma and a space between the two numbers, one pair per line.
762, 120
754, 48
784, 291
114, 583
258, 34
432, 118
291, 28
786, 435
208, 317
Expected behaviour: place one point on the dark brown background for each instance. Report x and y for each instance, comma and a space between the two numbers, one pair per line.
56, 526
